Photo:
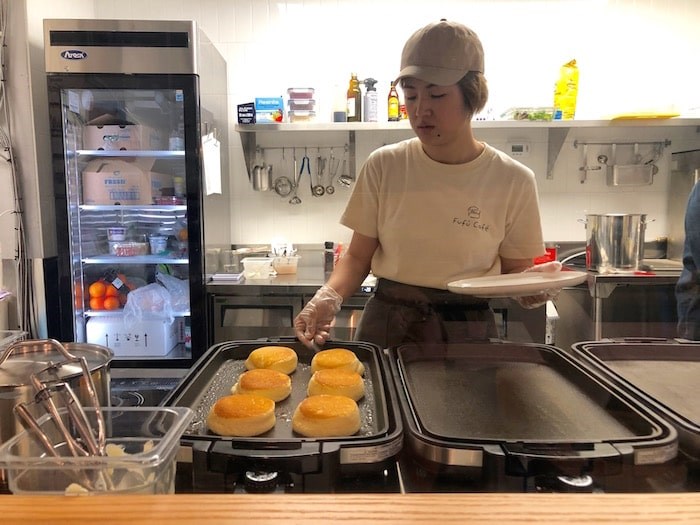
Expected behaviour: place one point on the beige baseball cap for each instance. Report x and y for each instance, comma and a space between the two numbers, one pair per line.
441, 53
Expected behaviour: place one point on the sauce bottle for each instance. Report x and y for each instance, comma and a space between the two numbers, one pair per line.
394, 113
370, 104
354, 100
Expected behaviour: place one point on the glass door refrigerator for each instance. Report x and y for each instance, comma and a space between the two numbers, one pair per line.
126, 140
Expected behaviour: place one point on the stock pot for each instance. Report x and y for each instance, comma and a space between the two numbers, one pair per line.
614, 241
21, 359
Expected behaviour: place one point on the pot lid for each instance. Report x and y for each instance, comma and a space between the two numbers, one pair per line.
21, 359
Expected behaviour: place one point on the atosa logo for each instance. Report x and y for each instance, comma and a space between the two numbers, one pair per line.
73, 54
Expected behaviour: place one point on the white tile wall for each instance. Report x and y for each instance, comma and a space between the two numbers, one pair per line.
632, 54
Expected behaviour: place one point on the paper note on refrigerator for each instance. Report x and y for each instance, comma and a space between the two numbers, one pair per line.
211, 149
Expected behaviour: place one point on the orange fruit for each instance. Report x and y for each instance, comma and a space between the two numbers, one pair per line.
111, 291
97, 303
182, 234
97, 289
112, 303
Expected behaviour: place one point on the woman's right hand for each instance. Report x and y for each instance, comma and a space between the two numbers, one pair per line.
314, 322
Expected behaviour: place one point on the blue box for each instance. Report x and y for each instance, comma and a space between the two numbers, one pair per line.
269, 110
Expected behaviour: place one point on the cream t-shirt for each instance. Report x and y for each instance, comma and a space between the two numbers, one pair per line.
438, 223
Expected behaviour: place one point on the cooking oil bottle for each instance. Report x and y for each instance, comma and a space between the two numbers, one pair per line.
354, 100
394, 112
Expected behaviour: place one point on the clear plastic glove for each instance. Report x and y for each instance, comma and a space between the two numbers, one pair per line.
534, 301
313, 323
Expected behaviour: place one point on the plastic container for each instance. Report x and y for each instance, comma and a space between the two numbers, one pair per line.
159, 244
286, 265
257, 267
128, 248
529, 113
116, 233
142, 448
300, 93
301, 104
301, 116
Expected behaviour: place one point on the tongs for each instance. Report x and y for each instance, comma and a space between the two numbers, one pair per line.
91, 443
48, 384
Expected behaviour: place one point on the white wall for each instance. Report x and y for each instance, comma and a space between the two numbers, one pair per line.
632, 54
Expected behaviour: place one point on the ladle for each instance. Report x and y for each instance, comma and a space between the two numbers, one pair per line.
333, 170
297, 177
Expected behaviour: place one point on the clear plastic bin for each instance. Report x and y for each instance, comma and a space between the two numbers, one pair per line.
300, 93
142, 446
257, 267
532, 113
301, 116
286, 265
303, 104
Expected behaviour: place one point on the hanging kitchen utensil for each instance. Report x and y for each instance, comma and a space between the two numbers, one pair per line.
297, 178
306, 163
333, 170
261, 177
317, 190
345, 179
283, 185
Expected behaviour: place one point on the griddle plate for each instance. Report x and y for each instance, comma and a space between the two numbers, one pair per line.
226, 363
669, 372
513, 393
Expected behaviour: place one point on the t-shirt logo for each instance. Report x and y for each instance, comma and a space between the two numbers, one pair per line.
472, 219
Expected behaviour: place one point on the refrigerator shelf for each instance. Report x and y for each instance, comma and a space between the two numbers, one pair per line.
160, 154
133, 207
120, 313
135, 259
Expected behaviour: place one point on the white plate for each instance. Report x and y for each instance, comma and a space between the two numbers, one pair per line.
516, 284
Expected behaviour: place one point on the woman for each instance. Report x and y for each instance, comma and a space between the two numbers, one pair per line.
433, 209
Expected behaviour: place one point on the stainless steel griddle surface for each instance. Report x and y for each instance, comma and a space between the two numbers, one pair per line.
220, 372
507, 392
668, 373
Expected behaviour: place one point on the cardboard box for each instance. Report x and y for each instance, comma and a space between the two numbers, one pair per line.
269, 110
124, 137
160, 182
246, 113
117, 181
149, 337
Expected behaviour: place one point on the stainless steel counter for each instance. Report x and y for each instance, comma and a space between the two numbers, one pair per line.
307, 280
618, 305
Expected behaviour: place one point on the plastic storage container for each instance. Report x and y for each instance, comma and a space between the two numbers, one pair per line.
286, 265
301, 104
257, 267
142, 444
128, 248
531, 113
300, 93
301, 116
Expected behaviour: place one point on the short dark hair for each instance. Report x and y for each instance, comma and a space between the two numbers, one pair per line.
475, 91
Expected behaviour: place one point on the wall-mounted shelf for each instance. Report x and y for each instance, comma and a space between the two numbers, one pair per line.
557, 130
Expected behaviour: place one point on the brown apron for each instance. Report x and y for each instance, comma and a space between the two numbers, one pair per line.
400, 313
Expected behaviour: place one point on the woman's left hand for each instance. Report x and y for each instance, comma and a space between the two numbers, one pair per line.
534, 301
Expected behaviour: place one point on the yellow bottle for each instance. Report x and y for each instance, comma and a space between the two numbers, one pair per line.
394, 112
354, 100
566, 92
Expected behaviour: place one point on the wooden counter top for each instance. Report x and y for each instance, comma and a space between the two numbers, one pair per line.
208, 509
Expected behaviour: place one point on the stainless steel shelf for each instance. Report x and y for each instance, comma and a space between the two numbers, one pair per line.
557, 131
